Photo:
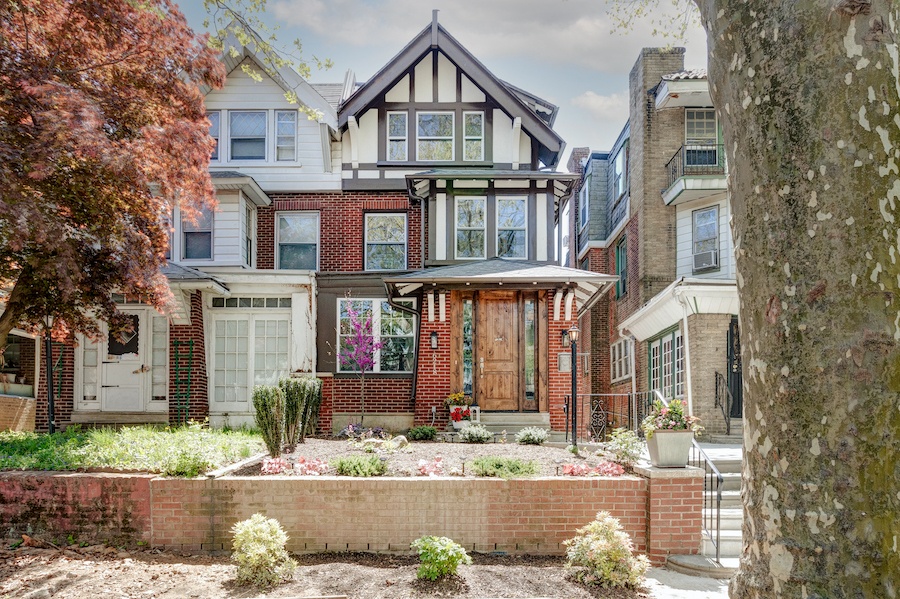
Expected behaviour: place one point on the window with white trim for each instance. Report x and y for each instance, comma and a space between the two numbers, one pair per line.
434, 136
197, 236
584, 203
620, 172
247, 134
385, 241
667, 364
214, 122
248, 231
393, 329
285, 135
298, 240
700, 137
471, 219
512, 229
473, 136
706, 238
620, 360
397, 136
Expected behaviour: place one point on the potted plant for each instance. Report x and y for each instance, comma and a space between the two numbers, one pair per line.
669, 432
458, 399
460, 416
461, 409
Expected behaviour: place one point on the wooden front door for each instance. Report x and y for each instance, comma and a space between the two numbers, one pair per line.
498, 371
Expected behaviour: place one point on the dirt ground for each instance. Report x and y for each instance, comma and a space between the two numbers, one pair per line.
29, 573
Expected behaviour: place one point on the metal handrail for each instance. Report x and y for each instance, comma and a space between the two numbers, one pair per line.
695, 159
724, 400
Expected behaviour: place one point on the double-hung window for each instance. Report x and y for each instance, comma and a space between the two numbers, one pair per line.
584, 203
622, 266
434, 136
285, 135
298, 240
214, 118
197, 236
385, 241
706, 239
471, 221
620, 360
397, 136
473, 136
247, 134
392, 332
247, 232
511, 227
701, 135
620, 172
667, 364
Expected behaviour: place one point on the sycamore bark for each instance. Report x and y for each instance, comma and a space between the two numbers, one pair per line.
808, 93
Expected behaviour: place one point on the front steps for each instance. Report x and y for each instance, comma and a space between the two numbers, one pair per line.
735, 438
513, 422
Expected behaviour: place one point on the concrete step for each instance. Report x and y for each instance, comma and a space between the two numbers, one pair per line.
520, 419
730, 544
729, 518
725, 439
730, 499
728, 466
700, 565
731, 481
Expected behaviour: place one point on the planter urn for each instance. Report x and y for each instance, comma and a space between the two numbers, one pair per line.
670, 449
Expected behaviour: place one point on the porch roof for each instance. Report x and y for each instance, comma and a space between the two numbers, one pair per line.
684, 296
185, 278
418, 184
588, 286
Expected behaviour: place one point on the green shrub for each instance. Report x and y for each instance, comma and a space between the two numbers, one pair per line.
300, 395
475, 433
533, 435
259, 552
624, 447
498, 467
359, 465
422, 433
268, 401
440, 557
602, 554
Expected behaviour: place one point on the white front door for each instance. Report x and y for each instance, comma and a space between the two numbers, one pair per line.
125, 369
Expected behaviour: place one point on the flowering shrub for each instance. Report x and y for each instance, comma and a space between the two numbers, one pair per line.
532, 435
434, 467
671, 417
459, 414
313, 467
475, 433
624, 447
603, 469
275, 466
440, 557
259, 552
458, 399
603, 554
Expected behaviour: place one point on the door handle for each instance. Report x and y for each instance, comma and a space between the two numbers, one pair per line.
109, 386
142, 369
481, 365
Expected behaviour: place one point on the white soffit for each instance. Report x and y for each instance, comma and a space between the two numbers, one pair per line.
702, 296
683, 93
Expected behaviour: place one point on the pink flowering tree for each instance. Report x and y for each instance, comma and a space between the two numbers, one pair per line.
358, 346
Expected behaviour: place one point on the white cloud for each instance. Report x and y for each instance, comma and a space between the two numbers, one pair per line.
611, 107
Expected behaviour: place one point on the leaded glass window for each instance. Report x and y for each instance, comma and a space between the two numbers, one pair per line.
248, 135
298, 237
214, 132
286, 135
385, 241
470, 227
198, 236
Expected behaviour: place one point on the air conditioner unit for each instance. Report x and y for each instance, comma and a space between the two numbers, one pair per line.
706, 260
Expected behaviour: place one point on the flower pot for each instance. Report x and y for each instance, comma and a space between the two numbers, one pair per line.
460, 424
670, 449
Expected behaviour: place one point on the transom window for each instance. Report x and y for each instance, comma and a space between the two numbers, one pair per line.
434, 136
470, 227
392, 329
397, 134
214, 132
620, 360
251, 302
298, 240
511, 227
385, 241
473, 136
248, 135
198, 236
286, 135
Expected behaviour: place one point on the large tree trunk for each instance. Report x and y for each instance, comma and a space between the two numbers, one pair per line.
808, 93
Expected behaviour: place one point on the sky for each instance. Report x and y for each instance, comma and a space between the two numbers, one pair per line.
564, 51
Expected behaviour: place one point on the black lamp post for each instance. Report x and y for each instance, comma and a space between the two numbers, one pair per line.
48, 353
573, 339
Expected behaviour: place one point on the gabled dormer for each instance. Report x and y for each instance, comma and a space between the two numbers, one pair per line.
434, 105
277, 129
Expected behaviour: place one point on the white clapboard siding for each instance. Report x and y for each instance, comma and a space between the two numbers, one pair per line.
685, 240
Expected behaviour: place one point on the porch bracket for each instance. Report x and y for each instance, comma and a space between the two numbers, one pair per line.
557, 303
570, 301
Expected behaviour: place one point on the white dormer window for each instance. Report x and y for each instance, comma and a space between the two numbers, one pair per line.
248, 135
434, 136
473, 136
286, 135
398, 133
197, 237
214, 132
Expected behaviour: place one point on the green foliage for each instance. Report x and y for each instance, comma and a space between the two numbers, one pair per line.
498, 467
533, 435
300, 395
440, 557
358, 465
187, 450
422, 433
268, 401
259, 552
602, 554
475, 433
624, 447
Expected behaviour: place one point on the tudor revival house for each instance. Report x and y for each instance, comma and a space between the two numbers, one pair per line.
425, 198
654, 211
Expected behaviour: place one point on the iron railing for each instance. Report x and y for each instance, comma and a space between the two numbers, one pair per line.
696, 159
724, 400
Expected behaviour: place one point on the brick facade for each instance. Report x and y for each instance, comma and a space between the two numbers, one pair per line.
63, 361
198, 407
708, 352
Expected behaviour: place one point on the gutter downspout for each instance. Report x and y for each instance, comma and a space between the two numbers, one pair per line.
687, 353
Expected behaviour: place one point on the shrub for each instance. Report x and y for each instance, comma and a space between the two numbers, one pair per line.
602, 554
422, 433
440, 557
533, 435
299, 395
359, 465
624, 447
503, 467
268, 401
259, 552
475, 433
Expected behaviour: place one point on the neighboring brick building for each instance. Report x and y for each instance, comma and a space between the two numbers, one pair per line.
654, 211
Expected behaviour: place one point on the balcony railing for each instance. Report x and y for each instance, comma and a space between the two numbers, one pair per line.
696, 159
